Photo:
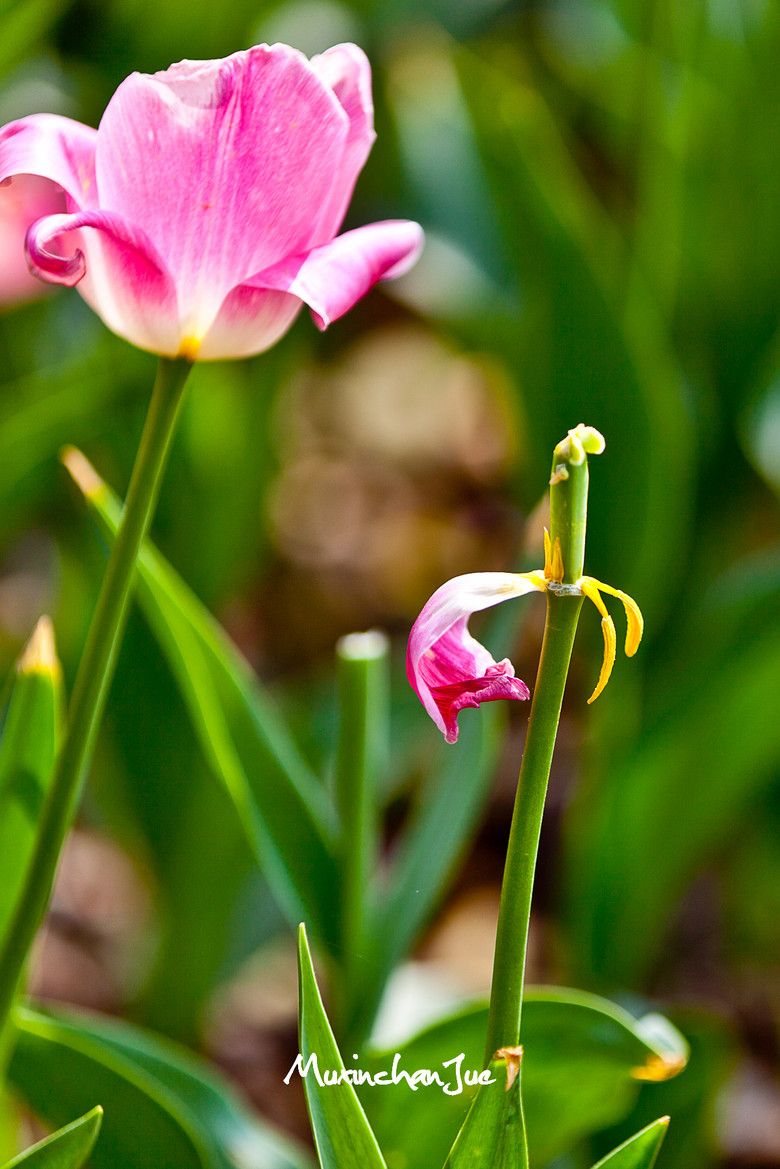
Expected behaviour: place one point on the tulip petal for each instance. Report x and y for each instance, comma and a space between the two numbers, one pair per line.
346, 71
447, 668
55, 148
24, 201
330, 279
118, 271
250, 320
228, 165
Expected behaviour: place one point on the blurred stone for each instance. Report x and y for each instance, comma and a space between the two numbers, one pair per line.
95, 944
749, 1116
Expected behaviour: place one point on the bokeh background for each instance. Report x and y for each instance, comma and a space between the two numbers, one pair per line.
599, 181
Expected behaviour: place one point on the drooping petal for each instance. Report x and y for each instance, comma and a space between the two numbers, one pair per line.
227, 164
55, 148
118, 271
447, 668
345, 70
332, 278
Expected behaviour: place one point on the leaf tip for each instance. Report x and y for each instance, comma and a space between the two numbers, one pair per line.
659, 1068
39, 656
81, 472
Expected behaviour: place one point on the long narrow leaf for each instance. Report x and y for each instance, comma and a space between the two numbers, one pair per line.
26, 759
68, 1148
282, 807
342, 1134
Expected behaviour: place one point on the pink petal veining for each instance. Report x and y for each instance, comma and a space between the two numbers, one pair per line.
204, 179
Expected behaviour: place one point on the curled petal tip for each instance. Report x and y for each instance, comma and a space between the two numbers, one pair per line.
47, 264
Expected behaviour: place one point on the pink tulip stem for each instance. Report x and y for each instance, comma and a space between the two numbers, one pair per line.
94, 674
568, 515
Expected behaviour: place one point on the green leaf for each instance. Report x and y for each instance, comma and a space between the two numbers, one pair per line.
493, 1134
693, 1100
23, 24
163, 1106
342, 1134
27, 754
68, 1148
640, 1151
583, 1061
282, 807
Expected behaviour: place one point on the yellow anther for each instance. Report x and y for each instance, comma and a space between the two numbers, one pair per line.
590, 589
634, 620
635, 625
547, 555
610, 649
556, 569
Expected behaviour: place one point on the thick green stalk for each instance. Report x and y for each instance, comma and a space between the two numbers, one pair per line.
568, 515
362, 757
94, 674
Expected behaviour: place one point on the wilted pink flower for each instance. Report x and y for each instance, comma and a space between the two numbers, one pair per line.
21, 203
449, 670
446, 667
202, 212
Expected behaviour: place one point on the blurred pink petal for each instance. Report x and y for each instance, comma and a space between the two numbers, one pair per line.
447, 668
24, 200
200, 180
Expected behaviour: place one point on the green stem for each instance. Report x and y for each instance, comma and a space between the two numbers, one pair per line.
568, 519
506, 995
362, 756
94, 674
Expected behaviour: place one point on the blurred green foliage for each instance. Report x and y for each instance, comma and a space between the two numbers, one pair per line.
599, 181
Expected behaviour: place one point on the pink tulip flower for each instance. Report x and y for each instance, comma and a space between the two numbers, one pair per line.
447, 668
203, 211
21, 203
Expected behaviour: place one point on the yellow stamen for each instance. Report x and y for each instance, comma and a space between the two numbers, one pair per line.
610, 648
590, 589
547, 555
556, 570
634, 620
